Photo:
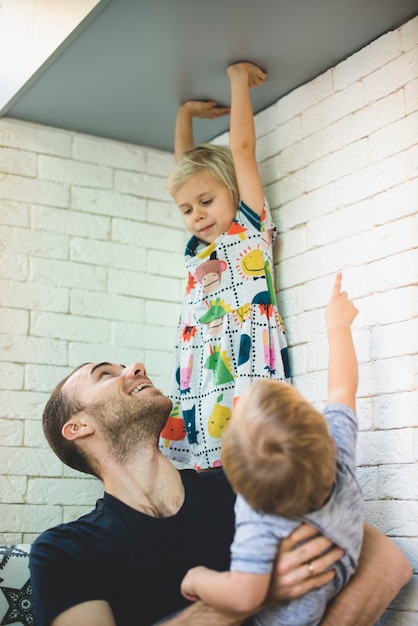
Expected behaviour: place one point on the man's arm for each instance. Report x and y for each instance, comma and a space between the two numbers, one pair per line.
382, 571
183, 135
342, 359
242, 138
292, 578
92, 613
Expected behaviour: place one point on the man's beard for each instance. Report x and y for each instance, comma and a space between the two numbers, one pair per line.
129, 426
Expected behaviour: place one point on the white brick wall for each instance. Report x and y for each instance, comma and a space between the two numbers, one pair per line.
91, 268
86, 274
339, 158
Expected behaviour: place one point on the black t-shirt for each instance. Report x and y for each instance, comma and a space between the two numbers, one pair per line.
134, 562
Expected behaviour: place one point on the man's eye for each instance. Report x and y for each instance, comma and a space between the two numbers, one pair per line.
105, 373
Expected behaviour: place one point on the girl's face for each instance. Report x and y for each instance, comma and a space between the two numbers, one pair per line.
207, 206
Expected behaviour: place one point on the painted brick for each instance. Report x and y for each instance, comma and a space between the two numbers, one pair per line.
409, 34
29, 518
34, 190
395, 340
385, 447
107, 202
28, 462
399, 136
148, 337
107, 254
165, 264
395, 203
396, 271
165, 214
304, 97
74, 172
381, 241
398, 482
15, 404
34, 243
292, 242
335, 107
11, 433
69, 327
390, 306
40, 139
69, 222
13, 266
395, 518
411, 96
142, 185
14, 213
32, 349
147, 235
106, 306
143, 285
365, 121
336, 165
162, 314
114, 154
303, 153
17, 162
11, 375
68, 274
412, 162
12, 489
282, 137
50, 491
368, 480
158, 162
397, 410
390, 77
33, 433
300, 210
377, 54
369, 181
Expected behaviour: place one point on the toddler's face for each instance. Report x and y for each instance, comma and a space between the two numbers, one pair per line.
206, 205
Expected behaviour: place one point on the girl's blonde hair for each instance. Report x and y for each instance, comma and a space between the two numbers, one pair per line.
280, 455
217, 160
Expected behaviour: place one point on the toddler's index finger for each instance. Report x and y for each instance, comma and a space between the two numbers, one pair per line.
336, 290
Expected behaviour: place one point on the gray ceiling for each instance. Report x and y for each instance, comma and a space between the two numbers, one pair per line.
123, 74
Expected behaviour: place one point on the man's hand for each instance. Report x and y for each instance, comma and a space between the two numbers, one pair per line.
302, 564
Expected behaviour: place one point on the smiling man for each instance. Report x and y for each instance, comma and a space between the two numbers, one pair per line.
122, 563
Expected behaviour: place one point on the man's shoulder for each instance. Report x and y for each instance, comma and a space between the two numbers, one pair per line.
66, 533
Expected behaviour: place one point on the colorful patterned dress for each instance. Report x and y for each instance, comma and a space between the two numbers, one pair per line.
230, 332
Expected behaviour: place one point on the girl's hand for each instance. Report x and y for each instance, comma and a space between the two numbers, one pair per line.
204, 109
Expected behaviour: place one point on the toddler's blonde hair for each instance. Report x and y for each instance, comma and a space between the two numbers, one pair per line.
280, 455
217, 159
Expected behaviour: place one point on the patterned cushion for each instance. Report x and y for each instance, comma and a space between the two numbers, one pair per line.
15, 587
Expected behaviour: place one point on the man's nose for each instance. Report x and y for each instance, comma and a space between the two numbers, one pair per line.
136, 369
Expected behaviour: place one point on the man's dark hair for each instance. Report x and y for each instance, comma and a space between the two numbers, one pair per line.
58, 410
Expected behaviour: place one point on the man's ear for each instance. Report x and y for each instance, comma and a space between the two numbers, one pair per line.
77, 427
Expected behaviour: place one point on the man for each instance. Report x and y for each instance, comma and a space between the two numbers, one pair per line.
123, 563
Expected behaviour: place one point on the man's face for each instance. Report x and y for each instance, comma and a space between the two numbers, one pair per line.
126, 407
